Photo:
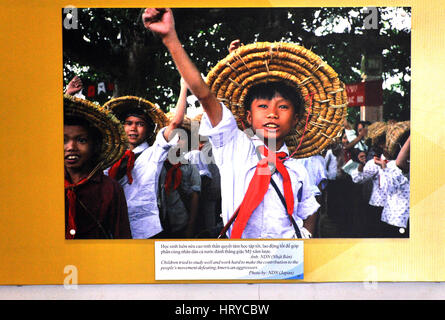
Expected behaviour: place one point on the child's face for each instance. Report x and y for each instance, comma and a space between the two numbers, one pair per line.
362, 157
78, 147
136, 130
272, 119
362, 129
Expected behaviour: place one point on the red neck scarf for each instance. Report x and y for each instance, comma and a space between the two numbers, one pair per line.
130, 165
169, 178
258, 187
69, 187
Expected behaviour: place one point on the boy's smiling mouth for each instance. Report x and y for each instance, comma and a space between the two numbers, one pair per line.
271, 126
72, 158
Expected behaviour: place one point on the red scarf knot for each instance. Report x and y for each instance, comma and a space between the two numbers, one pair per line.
169, 178
71, 195
130, 165
258, 187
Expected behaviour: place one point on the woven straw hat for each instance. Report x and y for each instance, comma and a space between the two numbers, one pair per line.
375, 131
122, 105
114, 140
394, 134
251, 64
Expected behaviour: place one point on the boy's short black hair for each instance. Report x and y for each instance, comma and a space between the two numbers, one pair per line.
267, 90
93, 133
135, 113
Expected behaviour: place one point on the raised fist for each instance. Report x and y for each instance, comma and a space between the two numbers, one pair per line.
159, 20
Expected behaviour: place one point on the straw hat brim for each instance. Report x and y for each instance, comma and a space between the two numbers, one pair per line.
393, 136
114, 140
122, 105
248, 65
376, 130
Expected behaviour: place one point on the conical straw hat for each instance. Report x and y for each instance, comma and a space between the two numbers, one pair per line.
114, 140
394, 135
318, 83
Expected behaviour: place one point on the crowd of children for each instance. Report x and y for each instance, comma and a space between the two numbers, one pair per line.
367, 192
132, 172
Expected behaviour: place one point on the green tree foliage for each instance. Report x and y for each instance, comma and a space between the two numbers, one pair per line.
112, 45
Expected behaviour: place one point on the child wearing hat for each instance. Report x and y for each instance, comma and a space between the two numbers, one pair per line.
150, 140
251, 206
395, 181
95, 204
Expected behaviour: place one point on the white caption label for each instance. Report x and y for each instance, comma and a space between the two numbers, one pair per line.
228, 260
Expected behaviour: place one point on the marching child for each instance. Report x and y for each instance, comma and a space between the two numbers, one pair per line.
138, 170
394, 179
251, 207
95, 204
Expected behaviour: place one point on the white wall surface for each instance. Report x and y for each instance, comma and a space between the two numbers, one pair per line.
300, 291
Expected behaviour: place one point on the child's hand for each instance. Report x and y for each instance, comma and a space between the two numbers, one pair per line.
380, 162
235, 44
346, 124
159, 21
74, 86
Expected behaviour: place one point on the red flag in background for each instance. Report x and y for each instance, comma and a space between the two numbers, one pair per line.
368, 93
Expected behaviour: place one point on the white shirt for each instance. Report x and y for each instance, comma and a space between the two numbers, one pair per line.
351, 135
371, 172
141, 195
350, 166
396, 185
199, 159
315, 166
331, 165
236, 159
